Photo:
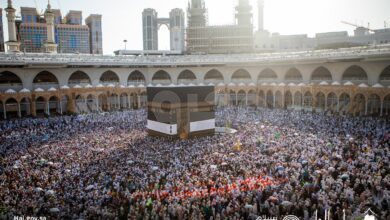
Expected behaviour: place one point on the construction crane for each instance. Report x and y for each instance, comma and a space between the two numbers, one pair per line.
358, 26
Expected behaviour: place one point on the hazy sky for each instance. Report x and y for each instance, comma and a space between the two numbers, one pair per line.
122, 18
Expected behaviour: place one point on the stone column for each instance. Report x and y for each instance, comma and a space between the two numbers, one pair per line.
60, 106
274, 101
381, 113
48, 108
4, 111
366, 109
97, 103
128, 101
33, 107
72, 104
19, 110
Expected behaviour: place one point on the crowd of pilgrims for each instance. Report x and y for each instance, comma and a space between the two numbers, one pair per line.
105, 166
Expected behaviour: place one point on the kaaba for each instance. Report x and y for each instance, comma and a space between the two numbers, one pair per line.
181, 112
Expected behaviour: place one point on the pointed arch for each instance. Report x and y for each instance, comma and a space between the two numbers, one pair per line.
293, 75
11, 108
261, 99
79, 78
288, 99
109, 77
136, 78
45, 80
124, 100
308, 100
298, 99
384, 78
331, 101
161, 77
251, 98
267, 75
232, 98
9, 78
186, 77
359, 105
213, 76
270, 99
355, 74
65, 104
25, 106
241, 98
241, 75
321, 74
344, 103
40, 106
374, 104
320, 101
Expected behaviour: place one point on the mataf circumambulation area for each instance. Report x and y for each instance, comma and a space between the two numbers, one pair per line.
228, 124
181, 111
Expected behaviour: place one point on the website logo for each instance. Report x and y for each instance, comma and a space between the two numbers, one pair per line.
290, 217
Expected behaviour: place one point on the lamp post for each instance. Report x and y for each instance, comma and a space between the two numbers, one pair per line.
125, 41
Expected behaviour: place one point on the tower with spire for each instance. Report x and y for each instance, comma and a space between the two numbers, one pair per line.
244, 13
1, 31
197, 14
261, 15
13, 45
50, 45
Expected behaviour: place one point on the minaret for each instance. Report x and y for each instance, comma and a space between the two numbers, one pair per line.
197, 14
261, 15
50, 46
244, 13
13, 44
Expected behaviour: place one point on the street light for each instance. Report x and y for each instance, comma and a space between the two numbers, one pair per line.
125, 41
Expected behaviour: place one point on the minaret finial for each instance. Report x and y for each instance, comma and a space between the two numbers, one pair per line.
9, 3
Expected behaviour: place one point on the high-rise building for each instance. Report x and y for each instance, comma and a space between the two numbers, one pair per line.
150, 29
94, 22
237, 38
74, 17
53, 33
151, 24
1, 31
177, 29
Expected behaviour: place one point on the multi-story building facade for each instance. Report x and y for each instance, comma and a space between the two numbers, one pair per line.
70, 35
150, 29
237, 38
94, 22
1, 31
354, 81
